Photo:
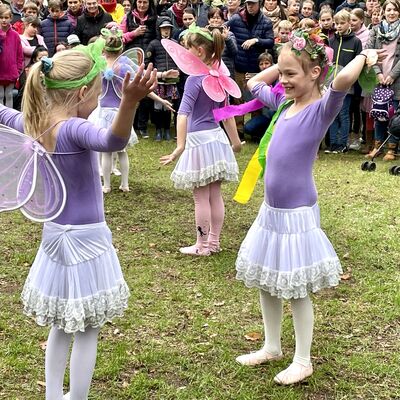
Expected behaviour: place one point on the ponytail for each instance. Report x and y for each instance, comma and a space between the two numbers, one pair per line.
219, 43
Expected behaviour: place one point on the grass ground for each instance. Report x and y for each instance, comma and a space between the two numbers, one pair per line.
188, 317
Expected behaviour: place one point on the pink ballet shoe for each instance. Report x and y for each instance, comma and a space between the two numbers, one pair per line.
257, 358
124, 189
106, 189
195, 251
293, 374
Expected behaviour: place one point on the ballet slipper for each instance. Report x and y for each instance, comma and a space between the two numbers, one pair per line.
124, 189
106, 189
293, 374
258, 357
195, 251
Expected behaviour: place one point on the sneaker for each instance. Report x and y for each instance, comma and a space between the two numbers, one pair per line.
158, 137
342, 149
144, 134
332, 149
167, 135
356, 145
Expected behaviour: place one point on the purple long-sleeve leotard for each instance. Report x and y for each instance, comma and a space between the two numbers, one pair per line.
197, 106
80, 171
289, 181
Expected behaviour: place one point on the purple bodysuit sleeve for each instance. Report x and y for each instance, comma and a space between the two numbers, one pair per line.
264, 93
11, 118
331, 103
85, 135
190, 95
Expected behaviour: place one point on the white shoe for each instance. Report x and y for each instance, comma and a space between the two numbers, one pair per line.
293, 374
67, 396
257, 358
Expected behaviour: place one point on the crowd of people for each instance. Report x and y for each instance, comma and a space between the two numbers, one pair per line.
253, 32
301, 62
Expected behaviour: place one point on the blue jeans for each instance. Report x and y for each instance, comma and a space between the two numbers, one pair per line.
257, 126
381, 128
340, 128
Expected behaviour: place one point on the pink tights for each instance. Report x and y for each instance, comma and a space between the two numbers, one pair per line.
209, 215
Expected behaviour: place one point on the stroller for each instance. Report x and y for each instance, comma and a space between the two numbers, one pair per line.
393, 131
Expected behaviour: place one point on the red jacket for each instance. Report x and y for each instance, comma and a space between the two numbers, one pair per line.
11, 58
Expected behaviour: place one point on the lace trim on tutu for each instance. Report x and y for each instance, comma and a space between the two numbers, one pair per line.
290, 285
73, 315
221, 171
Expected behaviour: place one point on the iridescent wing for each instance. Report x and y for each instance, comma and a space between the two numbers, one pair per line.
29, 180
128, 61
186, 61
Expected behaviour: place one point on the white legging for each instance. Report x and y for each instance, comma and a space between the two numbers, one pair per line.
303, 321
82, 362
7, 93
106, 166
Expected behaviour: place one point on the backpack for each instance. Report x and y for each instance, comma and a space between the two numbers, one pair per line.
381, 103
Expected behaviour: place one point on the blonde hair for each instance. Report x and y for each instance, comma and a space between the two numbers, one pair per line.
5, 9
285, 24
358, 12
307, 23
213, 49
342, 15
29, 5
38, 101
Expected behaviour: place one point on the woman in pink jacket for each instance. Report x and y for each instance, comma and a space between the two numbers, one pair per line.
30, 38
11, 57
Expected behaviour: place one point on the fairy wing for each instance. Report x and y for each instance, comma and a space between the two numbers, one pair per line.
128, 61
184, 59
213, 88
15, 156
230, 86
29, 180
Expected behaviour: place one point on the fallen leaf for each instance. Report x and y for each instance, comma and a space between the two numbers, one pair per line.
253, 336
345, 277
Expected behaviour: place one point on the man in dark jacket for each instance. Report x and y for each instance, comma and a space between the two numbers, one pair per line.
254, 34
16, 10
90, 23
56, 27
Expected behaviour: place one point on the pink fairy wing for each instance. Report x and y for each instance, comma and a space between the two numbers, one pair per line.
128, 61
16, 155
222, 68
49, 197
186, 61
213, 89
230, 86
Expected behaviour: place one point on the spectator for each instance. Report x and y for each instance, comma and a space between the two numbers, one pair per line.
308, 10
91, 21
254, 34
326, 23
56, 27
293, 12
349, 5
275, 12
376, 17
17, 7
232, 8
175, 13
30, 39
201, 11
189, 16
284, 29
127, 4
30, 9
386, 36
74, 11
369, 7
73, 41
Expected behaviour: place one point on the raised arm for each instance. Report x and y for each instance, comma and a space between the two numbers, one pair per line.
269, 76
350, 73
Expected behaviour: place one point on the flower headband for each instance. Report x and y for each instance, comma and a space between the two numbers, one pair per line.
193, 28
93, 51
105, 32
310, 41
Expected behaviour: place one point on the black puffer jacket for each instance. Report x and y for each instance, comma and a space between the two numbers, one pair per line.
156, 53
89, 26
144, 40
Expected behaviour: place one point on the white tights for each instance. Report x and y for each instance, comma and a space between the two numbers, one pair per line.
106, 161
82, 362
7, 93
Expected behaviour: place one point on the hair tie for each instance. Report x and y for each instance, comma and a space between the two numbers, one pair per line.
47, 64
113, 30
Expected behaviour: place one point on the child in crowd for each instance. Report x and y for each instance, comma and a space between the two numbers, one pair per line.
307, 24
376, 17
74, 11
260, 119
206, 157
30, 38
293, 12
75, 284
56, 27
127, 4
168, 74
369, 8
285, 27
348, 5
326, 23
30, 10
189, 16
346, 47
285, 253
308, 10
11, 57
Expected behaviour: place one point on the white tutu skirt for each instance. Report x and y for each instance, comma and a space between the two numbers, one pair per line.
207, 158
76, 279
105, 118
287, 254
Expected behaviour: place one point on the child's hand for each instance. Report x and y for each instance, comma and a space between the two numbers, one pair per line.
171, 73
237, 147
165, 160
144, 82
168, 105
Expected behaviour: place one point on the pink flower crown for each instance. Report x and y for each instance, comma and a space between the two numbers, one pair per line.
312, 42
